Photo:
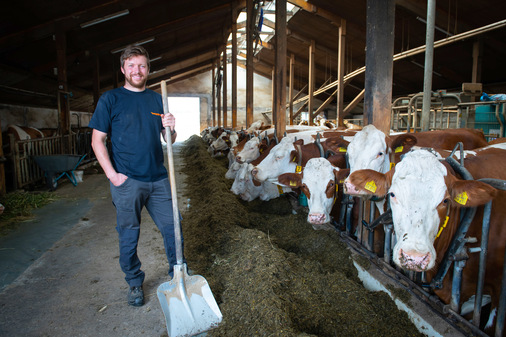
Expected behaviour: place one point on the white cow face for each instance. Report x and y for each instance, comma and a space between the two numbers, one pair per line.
318, 183
250, 151
243, 184
368, 150
419, 199
277, 162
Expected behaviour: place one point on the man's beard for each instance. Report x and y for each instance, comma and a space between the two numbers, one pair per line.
136, 84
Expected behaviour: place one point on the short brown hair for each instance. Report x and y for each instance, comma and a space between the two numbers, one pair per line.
133, 50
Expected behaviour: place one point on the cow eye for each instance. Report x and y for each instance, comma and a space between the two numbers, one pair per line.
392, 195
445, 201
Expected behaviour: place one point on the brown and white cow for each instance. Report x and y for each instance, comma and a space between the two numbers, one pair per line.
372, 149
426, 196
319, 181
24, 132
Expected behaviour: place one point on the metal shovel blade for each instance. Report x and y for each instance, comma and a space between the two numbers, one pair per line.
188, 304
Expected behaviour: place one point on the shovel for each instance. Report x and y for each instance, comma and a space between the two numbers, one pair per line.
187, 301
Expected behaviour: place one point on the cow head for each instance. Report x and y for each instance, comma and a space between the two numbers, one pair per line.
368, 150
249, 152
319, 183
421, 191
277, 161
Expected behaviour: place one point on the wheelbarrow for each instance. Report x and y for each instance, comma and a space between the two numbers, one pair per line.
58, 165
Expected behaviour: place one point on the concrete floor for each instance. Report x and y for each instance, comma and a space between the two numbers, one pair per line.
60, 272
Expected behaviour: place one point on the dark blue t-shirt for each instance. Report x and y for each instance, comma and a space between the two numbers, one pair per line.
126, 116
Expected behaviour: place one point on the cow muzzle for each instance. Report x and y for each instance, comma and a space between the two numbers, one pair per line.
316, 218
413, 260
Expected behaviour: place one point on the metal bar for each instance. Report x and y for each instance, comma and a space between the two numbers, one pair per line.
458, 268
483, 263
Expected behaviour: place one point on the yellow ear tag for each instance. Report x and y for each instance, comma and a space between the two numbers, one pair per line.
342, 149
298, 169
392, 165
399, 149
371, 186
293, 183
294, 159
337, 188
261, 150
280, 189
442, 227
461, 198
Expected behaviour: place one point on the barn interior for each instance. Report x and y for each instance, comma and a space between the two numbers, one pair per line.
76, 45
58, 58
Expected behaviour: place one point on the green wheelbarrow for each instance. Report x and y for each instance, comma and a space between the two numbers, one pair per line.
58, 165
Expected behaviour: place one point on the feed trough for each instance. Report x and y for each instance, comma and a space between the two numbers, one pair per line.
58, 165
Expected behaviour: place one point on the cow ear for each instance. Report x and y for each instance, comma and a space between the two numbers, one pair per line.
341, 175
294, 156
293, 180
299, 142
403, 143
371, 182
471, 193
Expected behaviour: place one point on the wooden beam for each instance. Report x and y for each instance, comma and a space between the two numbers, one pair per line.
354, 103
340, 73
334, 19
225, 89
290, 88
249, 63
379, 64
280, 70
234, 68
213, 81
63, 94
311, 79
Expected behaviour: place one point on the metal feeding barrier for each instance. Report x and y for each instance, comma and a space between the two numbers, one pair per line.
456, 254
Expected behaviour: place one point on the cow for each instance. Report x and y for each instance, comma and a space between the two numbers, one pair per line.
289, 156
255, 146
319, 181
426, 196
224, 143
372, 149
24, 132
248, 190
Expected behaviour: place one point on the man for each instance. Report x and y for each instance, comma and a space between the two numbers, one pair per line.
132, 117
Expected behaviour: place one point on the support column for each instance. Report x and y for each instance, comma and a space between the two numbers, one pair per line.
280, 70
225, 90
340, 73
213, 81
234, 69
290, 87
63, 93
96, 82
379, 63
311, 82
249, 63
429, 59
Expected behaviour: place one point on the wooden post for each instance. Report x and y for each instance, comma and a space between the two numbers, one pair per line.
379, 63
290, 87
234, 69
249, 62
311, 83
218, 93
213, 81
225, 90
63, 92
96, 82
280, 70
340, 73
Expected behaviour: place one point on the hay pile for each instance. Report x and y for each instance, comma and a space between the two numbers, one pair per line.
270, 272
